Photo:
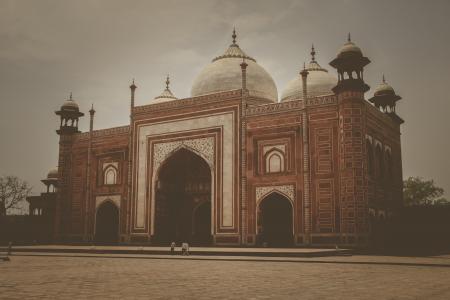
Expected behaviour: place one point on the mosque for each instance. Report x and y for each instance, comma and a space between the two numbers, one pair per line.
232, 164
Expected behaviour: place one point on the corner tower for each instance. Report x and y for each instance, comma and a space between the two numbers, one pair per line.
350, 89
69, 114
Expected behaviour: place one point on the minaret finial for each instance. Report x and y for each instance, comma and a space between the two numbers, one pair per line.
234, 35
384, 79
70, 96
349, 38
313, 53
167, 82
304, 66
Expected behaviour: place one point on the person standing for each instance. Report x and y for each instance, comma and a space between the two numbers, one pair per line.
172, 248
184, 248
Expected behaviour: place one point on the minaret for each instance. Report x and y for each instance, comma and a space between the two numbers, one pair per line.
133, 88
350, 89
385, 99
306, 174
87, 214
69, 116
244, 204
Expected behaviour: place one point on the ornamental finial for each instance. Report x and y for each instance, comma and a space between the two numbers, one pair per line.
384, 79
304, 66
349, 38
70, 96
313, 53
167, 82
234, 35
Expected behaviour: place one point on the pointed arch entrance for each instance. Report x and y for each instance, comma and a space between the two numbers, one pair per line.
275, 221
183, 200
107, 223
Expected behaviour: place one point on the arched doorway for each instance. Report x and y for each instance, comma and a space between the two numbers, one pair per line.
275, 221
201, 224
107, 223
183, 200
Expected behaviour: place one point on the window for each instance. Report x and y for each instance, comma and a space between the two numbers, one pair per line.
274, 162
110, 175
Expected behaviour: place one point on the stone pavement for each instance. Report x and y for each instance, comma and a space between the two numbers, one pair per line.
101, 277
230, 251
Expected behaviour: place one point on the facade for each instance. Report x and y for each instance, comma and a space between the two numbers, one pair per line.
231, 165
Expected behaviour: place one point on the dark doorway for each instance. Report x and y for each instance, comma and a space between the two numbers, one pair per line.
107, 223
183, 200
201, 227
275, 221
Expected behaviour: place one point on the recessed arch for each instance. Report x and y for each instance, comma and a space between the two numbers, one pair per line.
107, 222
110, 175
379, 160
183, 182
275, 220
274, 161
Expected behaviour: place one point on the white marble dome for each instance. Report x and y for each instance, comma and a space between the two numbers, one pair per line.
70, 104
52, 174
319, 83
224, 74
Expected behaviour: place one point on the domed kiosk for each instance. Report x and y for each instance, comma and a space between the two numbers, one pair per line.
224, 74
166, 95
319, 82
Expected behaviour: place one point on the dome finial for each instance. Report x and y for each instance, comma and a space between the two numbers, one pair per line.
167, 82
304, 66
384, 79
234, 35
70, 96
349, 38
313, 53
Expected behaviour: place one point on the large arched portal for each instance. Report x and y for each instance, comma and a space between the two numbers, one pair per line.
183, 200
107, 223
275, 221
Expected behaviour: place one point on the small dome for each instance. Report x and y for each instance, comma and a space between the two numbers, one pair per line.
384, 89
349, 49
166, 95
70, 104
52, 174
319, 82
224, 73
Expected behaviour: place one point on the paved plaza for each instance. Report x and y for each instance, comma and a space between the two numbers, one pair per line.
164, 277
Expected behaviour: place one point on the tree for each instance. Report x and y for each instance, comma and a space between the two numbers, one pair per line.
13, 192
417, 191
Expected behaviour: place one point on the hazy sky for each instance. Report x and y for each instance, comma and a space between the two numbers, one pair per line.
94, 48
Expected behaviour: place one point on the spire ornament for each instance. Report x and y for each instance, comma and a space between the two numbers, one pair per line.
70, 96
234, 35
167, 82
384, 79
313, 53
349, 39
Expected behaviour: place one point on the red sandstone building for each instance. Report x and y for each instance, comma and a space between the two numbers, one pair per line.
233, 166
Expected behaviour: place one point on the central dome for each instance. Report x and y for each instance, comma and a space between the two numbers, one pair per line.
224, 74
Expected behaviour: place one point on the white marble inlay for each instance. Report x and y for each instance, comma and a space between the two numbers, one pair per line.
287, 190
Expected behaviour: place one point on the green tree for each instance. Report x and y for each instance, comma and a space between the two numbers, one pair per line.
417, 191
13, 193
